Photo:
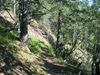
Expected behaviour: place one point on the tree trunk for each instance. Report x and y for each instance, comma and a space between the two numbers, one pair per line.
0, 6
74, 33
30, 8
97, 62
96, 59
93, 70
58, 33
23, 7
14, 6
97, 68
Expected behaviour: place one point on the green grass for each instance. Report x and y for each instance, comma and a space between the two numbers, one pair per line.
10, 45
12, 50
36, 45
6, 35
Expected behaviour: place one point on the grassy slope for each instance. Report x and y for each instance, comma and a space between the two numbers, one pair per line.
15, 60
13, 57
15, 52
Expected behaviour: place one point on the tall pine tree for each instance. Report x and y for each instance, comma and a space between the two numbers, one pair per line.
23, 18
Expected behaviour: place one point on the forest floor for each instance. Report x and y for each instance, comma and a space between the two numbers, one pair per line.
14, 60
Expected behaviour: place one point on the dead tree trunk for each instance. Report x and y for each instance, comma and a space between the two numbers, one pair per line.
23, 7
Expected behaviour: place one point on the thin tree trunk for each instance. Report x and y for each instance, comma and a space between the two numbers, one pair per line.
23, 6
30, 8
93, 73
58, 33
0, 6
74, 33
97, 62
97, 68
96, 58
14, 6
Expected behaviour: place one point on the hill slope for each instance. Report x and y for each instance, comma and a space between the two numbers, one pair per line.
14, 60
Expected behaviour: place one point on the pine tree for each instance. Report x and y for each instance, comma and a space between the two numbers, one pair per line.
23, 18
58, 34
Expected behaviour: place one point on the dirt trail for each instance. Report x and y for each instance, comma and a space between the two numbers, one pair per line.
55, 67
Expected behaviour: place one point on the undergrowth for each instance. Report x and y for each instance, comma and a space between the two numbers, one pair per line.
36, 45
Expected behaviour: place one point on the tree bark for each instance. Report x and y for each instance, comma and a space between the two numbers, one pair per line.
74, 34
0, 6
93, 70
58, 33
14, 6
97, 62
23, 7
96, 59
97, 68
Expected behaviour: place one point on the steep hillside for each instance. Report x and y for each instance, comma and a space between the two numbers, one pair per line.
14, 59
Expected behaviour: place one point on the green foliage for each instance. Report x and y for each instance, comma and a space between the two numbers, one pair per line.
32, 20
35, 46
6, 36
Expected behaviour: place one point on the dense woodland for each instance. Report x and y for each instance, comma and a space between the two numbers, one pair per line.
68, 31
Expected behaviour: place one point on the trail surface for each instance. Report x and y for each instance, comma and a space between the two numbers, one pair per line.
56, 67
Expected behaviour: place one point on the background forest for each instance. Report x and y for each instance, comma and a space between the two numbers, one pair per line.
49, 37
